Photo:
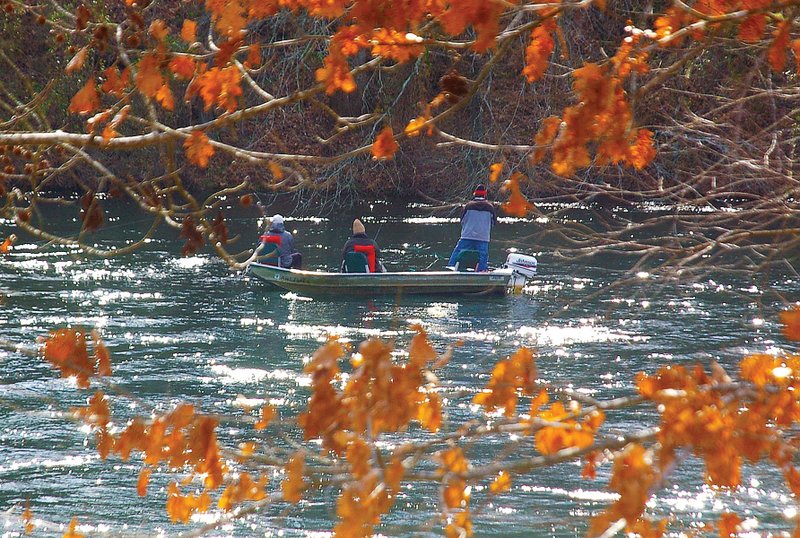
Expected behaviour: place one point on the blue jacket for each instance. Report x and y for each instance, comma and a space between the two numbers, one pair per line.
286, 249
477, 220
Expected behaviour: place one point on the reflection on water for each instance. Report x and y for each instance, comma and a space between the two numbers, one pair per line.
190, 329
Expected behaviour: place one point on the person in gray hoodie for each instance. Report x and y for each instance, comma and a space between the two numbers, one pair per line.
477, 220
287, 256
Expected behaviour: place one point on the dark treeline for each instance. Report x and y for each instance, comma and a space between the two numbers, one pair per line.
724, 123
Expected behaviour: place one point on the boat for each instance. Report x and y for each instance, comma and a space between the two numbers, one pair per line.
510, 277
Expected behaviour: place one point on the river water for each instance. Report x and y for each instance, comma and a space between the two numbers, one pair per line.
189, 329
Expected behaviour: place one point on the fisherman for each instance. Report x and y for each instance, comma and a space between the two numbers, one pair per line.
477, 219
285, 255
359, 242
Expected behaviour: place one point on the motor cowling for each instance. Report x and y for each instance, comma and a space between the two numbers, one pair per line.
522, 264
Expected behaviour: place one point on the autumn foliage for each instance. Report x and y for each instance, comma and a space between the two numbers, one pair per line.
727, 422
180, 86
205, 87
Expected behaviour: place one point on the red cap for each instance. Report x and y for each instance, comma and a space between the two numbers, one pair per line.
480, 190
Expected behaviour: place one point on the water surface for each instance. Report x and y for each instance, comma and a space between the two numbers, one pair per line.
189, 329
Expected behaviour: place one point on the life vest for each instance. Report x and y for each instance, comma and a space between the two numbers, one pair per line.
369, 252
276, 239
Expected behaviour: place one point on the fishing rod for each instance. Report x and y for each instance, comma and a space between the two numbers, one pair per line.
436, 259
375, 237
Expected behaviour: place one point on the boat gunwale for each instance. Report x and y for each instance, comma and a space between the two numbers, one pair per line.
387, 275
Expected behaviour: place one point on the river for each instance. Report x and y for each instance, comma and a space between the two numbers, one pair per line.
189, 329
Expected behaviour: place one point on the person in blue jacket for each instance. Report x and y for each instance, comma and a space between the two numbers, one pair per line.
477, 220
287, 255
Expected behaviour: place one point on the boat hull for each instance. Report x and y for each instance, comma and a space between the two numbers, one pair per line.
403, 283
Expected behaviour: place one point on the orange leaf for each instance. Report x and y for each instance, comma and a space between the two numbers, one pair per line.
790, 319
247, 450
221, 87
777, 50
792, 477
72, 532
393, 474
395, 45
181, 507
189, 31
86, 100
198, 149
27, 520
453, 460
461, 526
415, 126
494, 171
148, 78
97, 119
105, 442
349, 40
66, 350
752, 28
110, 130
116, 82
429, 413
101, 355
141, 483
164, 96
501, 483
5, 247
229, 16
641, 152
267, 414
728, 524
294, 484
182, 66
159, 30
359, 455
328, 8
277, 171
487, 25
547, 133
335, 74
385, 145
455, 493
551, 440
796, 51
510, 378
594, 420
420, 350
242, 489
589, 471
516, 205
253, 56
77, 61
205, 451
541, 399
758, 368
539, 50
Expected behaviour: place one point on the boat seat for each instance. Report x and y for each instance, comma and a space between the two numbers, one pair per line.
268, 254
369, 252
355, 262
467, 260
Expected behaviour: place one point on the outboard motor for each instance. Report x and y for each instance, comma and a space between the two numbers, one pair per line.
523, 267
522, 264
